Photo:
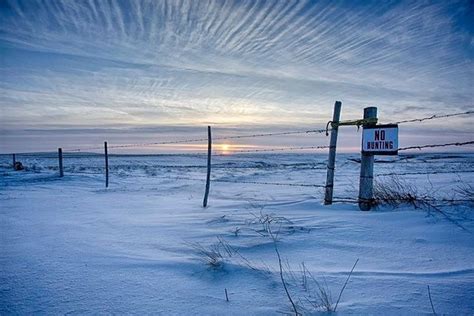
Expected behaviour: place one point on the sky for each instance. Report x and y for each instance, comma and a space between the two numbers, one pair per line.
76, 73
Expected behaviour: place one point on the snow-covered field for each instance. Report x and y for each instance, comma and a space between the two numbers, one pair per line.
146, 246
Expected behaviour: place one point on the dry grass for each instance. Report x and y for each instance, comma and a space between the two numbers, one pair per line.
218, 253
431, 301
318, 296
466, 192
304, 292
396, 192
274, 237
215, 254
266, 221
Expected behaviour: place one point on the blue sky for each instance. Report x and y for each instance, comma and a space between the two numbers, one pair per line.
79, 72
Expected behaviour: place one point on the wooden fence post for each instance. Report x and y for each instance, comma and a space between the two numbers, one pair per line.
332, 154
60, 158
208, 177
14, 160
366, 183
106, 165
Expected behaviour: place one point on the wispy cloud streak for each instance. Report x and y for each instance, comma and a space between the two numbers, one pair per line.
230, 63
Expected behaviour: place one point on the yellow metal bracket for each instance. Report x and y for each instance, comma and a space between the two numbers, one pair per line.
357, 123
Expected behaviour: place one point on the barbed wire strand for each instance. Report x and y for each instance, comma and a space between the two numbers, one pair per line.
433, 117
437, 145
230, 152
254, 182
422, 173
194, 140
215, 153
419, 147
353, 200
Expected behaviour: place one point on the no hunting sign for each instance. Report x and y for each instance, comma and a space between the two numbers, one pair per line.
380, 139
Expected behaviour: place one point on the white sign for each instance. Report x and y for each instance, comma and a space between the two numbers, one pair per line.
380, 139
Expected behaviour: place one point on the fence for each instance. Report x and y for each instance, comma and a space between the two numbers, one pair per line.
332, 127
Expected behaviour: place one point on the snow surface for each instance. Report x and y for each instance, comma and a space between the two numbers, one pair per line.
70, 246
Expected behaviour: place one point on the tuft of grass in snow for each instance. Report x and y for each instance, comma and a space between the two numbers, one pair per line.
395, 192
274, 237
466, 192
318, 295
236, 231
268, 220
215, 254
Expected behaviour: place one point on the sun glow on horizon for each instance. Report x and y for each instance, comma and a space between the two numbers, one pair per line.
226, 149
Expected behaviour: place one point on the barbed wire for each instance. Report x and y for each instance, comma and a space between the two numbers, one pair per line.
421, 199
433, 117
202, 139
230, 152
234, 181
194, 140
313, 131
243, 182
34, 155
273, 183
437, 145
253, 182
422, 173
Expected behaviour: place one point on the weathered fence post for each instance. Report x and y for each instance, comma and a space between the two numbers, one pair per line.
14, 160
332, 154
366, 183
106, 165
60, 158
208, 177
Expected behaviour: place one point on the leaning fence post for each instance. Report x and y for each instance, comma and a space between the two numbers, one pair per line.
60, 158
106, 165
366, 183
332, 154
208, 177
14, 160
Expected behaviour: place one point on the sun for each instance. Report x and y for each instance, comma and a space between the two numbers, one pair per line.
225, 148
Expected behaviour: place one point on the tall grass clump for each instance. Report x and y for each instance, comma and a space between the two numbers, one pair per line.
396, 192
